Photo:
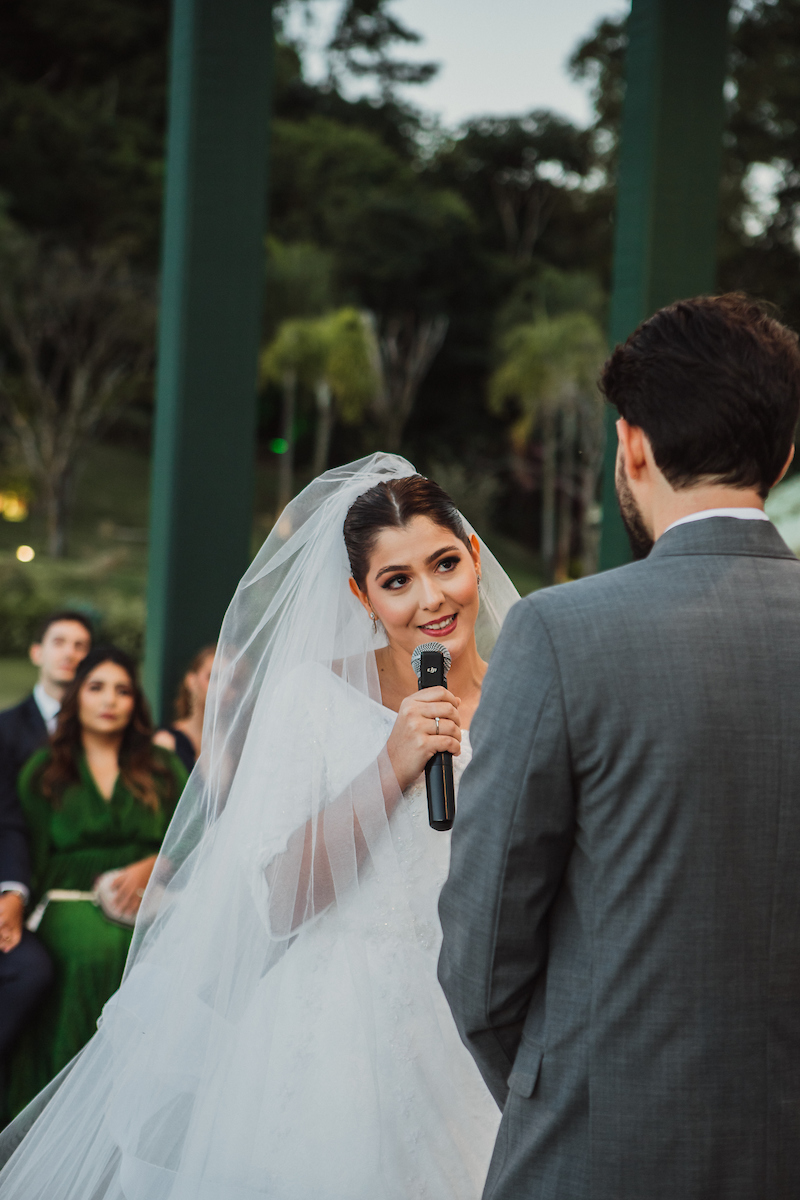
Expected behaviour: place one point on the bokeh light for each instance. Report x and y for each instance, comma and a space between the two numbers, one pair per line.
26, 553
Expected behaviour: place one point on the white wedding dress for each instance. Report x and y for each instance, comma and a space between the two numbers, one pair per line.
280, 1032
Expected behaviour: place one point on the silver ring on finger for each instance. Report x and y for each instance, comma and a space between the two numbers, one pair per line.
436, 719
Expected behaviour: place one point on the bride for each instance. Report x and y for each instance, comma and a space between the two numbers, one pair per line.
280, 1031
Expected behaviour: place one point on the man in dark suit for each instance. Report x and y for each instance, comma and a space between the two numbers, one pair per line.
25, 969
622, 918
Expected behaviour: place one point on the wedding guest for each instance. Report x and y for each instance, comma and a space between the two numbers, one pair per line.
99, 797
184, 736
25, 968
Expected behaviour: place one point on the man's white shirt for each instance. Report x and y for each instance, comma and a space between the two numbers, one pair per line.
47, 706
739, 514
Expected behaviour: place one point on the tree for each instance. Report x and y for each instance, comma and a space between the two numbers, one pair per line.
299, 282
296, 355
334, 357
79, 335
758, 233
349, 380
407, 346
82, 112
361, 44
550, 367
512, 170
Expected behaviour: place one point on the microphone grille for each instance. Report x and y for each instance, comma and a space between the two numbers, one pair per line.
432, 646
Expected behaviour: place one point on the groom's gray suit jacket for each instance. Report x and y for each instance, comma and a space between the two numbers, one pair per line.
622, 918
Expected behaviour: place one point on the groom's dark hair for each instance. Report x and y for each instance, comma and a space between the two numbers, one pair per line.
714, 383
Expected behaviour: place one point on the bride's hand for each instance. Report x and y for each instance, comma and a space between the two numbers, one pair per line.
414, 738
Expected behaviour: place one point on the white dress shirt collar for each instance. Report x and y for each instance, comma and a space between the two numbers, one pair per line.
739, 514
47, 706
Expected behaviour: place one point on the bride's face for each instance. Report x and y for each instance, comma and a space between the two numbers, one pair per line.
422, 585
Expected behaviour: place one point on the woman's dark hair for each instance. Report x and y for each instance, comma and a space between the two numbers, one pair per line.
391, 505
140, 763
714, 382
183, 700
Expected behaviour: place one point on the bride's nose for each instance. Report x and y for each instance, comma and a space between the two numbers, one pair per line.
432, 595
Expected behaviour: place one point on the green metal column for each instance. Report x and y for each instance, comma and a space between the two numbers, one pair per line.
212, 279
668, 185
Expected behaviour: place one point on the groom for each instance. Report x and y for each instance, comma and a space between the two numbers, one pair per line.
622, 918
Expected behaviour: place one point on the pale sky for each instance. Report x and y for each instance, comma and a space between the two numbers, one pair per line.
497, 56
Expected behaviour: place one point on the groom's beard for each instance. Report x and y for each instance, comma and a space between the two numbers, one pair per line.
640, 539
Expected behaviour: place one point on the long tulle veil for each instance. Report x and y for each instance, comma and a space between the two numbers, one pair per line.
282, 819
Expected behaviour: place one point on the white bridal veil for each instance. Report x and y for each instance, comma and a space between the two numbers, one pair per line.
189, 1091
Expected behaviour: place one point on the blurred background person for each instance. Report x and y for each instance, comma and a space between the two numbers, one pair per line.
184, 736
25, 969
98, 798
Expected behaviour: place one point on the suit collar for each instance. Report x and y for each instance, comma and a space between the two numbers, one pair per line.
29, 709
723, 535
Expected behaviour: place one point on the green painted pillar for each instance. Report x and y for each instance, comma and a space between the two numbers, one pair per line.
665, 238
211, 293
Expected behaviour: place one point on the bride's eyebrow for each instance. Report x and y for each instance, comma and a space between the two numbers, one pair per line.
386, 570
439, 553
405, 567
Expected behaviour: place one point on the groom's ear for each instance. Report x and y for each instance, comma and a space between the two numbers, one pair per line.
634, 452
786, 466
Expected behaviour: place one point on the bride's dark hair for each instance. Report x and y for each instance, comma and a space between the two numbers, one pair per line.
391, 505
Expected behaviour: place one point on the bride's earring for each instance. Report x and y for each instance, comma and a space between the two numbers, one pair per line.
374, 621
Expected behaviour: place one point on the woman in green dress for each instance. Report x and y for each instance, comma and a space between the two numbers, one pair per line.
98, 798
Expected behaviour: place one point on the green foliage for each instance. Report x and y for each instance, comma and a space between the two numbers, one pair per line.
365, 35
77, 332
497, 225
82, 103
299, 349
350, 367
544, 365
758, 249
337, 348
299, 281
511, 171
28, 592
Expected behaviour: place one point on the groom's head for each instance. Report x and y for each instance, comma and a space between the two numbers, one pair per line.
708, 393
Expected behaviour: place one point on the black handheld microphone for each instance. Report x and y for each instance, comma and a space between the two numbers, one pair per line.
431, 663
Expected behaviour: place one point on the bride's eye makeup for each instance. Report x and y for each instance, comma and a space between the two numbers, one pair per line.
449, 564
396, 581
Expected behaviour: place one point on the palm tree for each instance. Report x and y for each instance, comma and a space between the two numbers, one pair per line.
334, 357
550, 366
348, 380
297, 354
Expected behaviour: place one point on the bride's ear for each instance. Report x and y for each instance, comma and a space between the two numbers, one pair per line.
359, 595
475, 551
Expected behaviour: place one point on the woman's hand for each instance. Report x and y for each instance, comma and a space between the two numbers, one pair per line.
128, 887
415, 739
12, 911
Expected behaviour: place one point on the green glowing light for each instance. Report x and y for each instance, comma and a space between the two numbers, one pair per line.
279, 445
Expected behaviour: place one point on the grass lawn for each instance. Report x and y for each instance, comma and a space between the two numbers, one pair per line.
17, 677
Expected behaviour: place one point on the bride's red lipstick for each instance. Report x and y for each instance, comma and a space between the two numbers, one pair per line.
444, 630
